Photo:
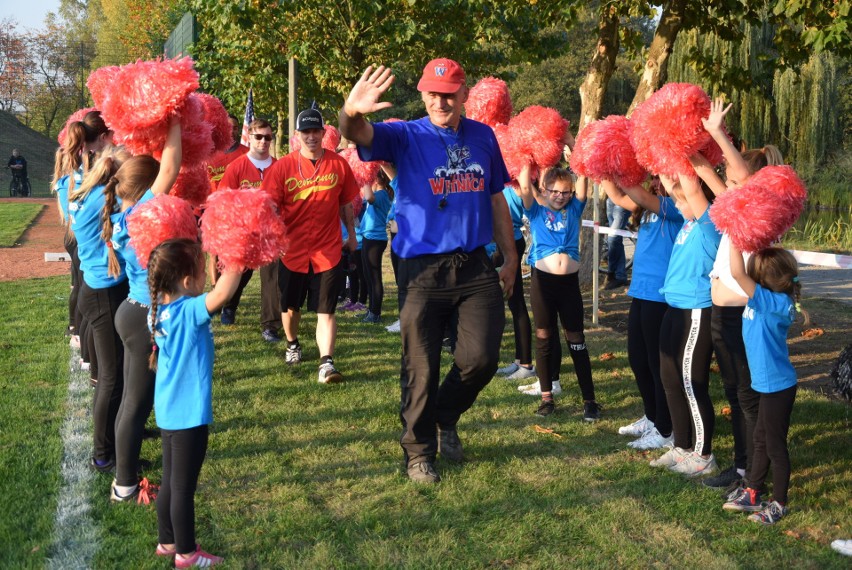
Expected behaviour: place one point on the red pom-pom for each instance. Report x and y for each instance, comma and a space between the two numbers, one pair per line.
242, 228
759, 212
365, 172
216, 114
667, 128
192, 184
73, 118
140, 95
611, 155
514, 156
157, 220
489, 102
100, 82
540, 133
583, 148
357, 205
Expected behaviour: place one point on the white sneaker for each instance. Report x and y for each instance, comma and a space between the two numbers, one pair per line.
521, 373
74, 341
328, 374
394, 327
507, 370
672, 457
84, 365
535, 389
843, 547
651, 439
637, 428
696, 466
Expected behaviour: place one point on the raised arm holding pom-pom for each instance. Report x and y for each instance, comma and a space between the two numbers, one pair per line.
365, 98
738, 271
736, 169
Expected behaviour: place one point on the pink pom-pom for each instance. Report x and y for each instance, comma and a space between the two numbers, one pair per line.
611, 155
540, 133
489, 102
365, 172
216, 114
358, 205
514, 156
143, 94
759, 212
157, 220
667, 128
76, 116
192, 184
242, 228
583, 148
100, 82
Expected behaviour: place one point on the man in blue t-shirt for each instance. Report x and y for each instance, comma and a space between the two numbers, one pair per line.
449, 206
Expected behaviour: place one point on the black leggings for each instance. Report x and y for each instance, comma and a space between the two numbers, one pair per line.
183, 454
71, 248
371, 261
770, 443
394, 261
552, 297
99, 307
685, 352
726, 330
520, 315
643, 353
137, 399
357, 286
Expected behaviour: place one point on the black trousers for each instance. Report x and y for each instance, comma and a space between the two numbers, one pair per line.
137, 399
394, 261
726, 330
685, 352
521, 324
435, 291
371, 261
71, 248
183, 454
99, 307
643, 353
234, 302
270, 302
770, 443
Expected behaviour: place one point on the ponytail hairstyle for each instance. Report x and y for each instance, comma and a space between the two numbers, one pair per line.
75, 154
640, 215
100, 172
169, 264
132, 179
775, 268
57, 176
758, 158
384, 181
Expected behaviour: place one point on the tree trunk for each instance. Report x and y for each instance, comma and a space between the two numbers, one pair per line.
593, 89
656, 66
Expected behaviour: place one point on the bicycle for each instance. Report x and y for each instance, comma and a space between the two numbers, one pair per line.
19, 185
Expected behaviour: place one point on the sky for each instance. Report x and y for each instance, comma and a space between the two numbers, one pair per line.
28, 13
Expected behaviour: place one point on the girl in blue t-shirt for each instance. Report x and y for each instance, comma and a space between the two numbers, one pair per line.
180, 313
555, 288
377, 204
685, 345
659, 223
772, 285
138, 180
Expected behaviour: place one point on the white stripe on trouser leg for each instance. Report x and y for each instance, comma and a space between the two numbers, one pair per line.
686, 369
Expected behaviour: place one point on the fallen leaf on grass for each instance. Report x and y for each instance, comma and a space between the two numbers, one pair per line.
726, 411
607, 356
793, 533
540, 429
714, 368
813, 332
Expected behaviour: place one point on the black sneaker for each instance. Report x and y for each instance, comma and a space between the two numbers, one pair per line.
229, 316
423, 472
293, 356
449, 444
371, 318
615, 284
724, 479
103, 467
270, 335
591, 411
545, 408
151, 433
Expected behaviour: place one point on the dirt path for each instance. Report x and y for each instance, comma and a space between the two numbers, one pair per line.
45, 235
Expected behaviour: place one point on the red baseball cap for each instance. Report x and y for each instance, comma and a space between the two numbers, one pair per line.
442, 75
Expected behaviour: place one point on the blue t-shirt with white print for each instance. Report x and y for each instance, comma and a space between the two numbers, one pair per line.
654, 243
555, 231
687, 284
766, 319
516, 211
137, 276
61, 188
183, 392
464, 167
375, 218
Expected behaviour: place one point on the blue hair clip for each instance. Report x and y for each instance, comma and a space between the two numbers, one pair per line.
795, 279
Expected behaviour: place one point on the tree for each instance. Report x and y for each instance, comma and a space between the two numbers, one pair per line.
15, 66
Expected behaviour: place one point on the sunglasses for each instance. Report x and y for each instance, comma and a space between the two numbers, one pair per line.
556, 193
259, 137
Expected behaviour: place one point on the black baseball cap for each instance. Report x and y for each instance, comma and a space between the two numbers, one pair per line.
309, 119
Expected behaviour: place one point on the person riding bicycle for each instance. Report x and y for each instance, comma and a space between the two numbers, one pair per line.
18, 167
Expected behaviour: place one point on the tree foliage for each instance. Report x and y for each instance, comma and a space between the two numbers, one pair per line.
15, 65
128, 30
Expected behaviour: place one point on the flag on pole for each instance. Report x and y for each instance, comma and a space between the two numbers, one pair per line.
247, 119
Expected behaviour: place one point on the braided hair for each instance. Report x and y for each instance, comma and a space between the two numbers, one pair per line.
169, 264
775, 268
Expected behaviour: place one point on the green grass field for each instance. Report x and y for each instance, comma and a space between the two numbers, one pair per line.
14, 219
302, 475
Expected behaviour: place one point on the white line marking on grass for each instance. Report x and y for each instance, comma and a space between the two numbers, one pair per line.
75, 536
